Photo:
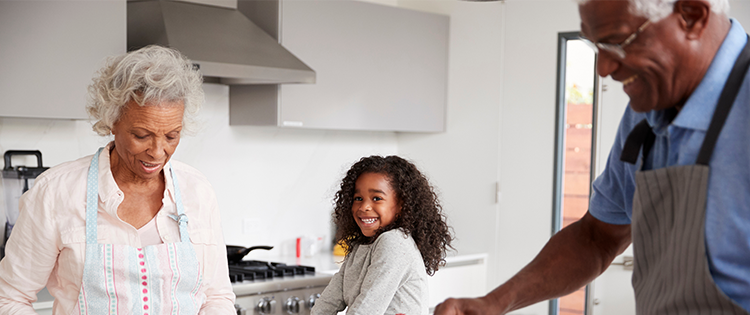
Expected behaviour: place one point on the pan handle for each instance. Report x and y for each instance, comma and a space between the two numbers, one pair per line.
247, 250
259, 247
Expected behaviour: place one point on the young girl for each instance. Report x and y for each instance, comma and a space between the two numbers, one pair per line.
394, 232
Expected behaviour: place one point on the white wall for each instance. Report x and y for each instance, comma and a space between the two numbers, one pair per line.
501, 120
280, 179
463, 162
283, 180
528, 128
740, 10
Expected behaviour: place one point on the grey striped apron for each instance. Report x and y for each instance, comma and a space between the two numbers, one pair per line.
671, 273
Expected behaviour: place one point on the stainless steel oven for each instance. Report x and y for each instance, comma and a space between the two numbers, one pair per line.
273, 288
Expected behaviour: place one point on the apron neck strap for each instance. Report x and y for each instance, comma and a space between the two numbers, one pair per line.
727, 98
640, 136
92, 198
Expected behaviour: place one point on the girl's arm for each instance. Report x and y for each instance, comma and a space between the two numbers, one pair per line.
331, 301
391, 260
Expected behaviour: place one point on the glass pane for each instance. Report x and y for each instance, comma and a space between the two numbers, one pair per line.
576, 181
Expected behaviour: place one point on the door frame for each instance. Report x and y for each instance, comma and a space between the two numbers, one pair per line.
560, 119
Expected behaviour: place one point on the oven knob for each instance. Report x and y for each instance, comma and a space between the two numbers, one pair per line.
292, 305
266, 305
312, 299
240, 310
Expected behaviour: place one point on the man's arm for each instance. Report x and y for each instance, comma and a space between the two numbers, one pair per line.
571, 259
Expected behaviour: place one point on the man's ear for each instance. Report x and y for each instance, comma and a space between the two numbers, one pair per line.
694, 15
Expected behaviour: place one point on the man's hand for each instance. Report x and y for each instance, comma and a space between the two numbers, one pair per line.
476, 306
571, 259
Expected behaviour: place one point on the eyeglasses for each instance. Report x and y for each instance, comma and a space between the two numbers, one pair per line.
616, 49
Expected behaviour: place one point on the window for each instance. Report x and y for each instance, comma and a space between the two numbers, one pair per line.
573, 150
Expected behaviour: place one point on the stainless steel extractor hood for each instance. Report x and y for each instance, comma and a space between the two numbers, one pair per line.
222, 41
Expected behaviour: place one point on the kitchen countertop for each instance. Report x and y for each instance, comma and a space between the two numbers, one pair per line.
323, 262
328, 263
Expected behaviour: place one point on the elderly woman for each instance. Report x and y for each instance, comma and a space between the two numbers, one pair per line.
125, 231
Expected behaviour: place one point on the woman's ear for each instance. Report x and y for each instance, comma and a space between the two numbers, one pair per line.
694, 15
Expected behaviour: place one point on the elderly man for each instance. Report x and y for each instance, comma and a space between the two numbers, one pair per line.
678, 177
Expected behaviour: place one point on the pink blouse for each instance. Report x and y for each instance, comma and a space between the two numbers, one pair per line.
149, 234
47, 247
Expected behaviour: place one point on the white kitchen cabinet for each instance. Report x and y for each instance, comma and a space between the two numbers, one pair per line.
378, 68
50, 50
461, 277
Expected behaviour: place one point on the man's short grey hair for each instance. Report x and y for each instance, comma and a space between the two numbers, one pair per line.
655, 10
150, 75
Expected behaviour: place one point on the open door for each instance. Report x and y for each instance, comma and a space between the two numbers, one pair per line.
589, 109
576, 95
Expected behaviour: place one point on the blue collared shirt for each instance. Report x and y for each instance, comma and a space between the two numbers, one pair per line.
678, 143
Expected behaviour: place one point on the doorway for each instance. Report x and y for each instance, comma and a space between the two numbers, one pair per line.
574, 147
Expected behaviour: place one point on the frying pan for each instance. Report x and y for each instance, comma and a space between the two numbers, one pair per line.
236, 253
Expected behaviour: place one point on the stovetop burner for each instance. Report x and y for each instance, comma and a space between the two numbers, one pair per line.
251, 270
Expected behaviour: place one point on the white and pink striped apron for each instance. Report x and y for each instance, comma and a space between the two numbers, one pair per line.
119, 279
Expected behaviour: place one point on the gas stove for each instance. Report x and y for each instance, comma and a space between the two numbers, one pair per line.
252, 270
275, 288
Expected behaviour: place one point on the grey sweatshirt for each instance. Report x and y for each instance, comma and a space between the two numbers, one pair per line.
385, 277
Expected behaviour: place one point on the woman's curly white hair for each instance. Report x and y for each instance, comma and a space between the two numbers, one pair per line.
655, 10
150, 75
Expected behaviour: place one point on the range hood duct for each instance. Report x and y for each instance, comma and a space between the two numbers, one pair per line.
223, 42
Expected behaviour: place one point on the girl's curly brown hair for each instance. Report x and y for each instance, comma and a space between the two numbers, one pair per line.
421, 215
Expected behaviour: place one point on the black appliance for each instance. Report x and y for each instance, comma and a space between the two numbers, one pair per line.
16, 181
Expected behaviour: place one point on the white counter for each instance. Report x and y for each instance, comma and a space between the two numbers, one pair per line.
462, 276
323, 262
327, 262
